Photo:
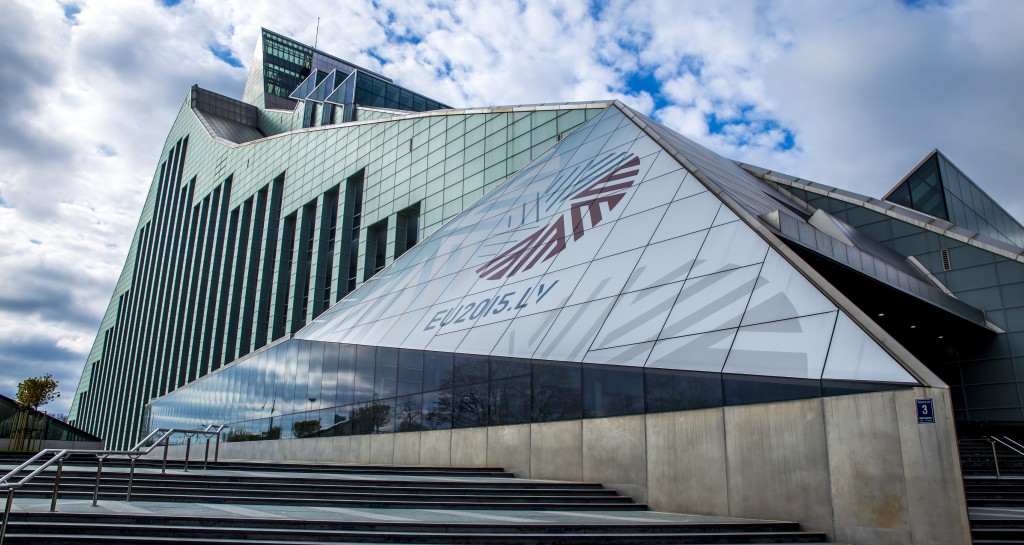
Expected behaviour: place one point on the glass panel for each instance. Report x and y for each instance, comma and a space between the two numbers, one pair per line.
346, 374
854, 355
410, 372
632, 232
502, 367
437, 410
688, 215
749, 389
574, 330
482, 338
329, 386
612, 391
524, 334
729, 246
681, 390
711, 302
557, 391
437, 371
509, 401
654, 192
386, 374
637, 317
469, 405
605, 277
374, 417
783, 293
469, 369
409, 413
314, 393
364, 371
655, 268
703, 352
634, 355
788, 348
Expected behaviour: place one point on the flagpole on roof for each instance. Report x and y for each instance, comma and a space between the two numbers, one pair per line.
317, 36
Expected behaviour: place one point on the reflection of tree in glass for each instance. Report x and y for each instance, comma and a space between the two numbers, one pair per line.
439, 416
370, 418
410, 416
470, 406
462, 407
306, 428
510, 401
555, 405
234, 436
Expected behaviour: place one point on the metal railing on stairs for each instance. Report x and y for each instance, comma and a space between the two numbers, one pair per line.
57, 456
993, 440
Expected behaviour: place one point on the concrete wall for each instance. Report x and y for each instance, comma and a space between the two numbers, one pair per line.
860, 467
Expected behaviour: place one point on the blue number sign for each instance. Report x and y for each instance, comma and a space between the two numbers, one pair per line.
925, 411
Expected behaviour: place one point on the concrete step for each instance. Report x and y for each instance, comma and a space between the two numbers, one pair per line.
341, 484
10, 460
443, 502
47, 529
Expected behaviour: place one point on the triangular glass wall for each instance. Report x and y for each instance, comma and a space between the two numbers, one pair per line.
937, 187
307, 85
606, 250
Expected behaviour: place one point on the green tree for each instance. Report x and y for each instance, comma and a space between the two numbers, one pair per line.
306, 428
37, 391
32, 393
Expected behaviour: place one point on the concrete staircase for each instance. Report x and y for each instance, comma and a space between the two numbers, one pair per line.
291, 503
995, 505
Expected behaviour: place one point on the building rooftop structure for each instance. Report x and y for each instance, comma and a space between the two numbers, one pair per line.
341, 260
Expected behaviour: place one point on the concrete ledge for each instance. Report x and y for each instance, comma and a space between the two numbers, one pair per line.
858, 467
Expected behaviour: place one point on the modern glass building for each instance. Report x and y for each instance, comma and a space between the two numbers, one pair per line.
343, 269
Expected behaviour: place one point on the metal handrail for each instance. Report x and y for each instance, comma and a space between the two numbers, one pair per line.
1002, 441
1008, 439
139, 450
992, 441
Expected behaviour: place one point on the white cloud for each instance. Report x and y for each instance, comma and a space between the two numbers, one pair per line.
864, 89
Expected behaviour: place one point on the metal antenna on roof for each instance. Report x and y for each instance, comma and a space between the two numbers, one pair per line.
315, 38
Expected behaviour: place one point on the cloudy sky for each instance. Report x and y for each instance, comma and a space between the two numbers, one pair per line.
851, 94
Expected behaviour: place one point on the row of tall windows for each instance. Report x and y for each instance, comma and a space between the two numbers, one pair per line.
213, 283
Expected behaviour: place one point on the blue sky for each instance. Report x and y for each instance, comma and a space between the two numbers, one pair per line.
848, 94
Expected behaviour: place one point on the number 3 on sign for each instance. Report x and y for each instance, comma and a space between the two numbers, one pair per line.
925, 411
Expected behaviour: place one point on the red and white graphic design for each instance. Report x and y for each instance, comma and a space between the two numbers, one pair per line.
586, 209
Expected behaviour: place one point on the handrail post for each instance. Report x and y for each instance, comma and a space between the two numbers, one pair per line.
167, 442
7, 514
131, 479
216, 450
206, 457
99, 474
188, 447
56, 485
995, 457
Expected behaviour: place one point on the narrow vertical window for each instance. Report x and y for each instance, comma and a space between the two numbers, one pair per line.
350, 235
407, 229
376, 248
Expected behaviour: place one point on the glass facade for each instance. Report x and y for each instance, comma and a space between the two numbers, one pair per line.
36, 425
303, 389
237, 245
566, 261
940, 189
343, 267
